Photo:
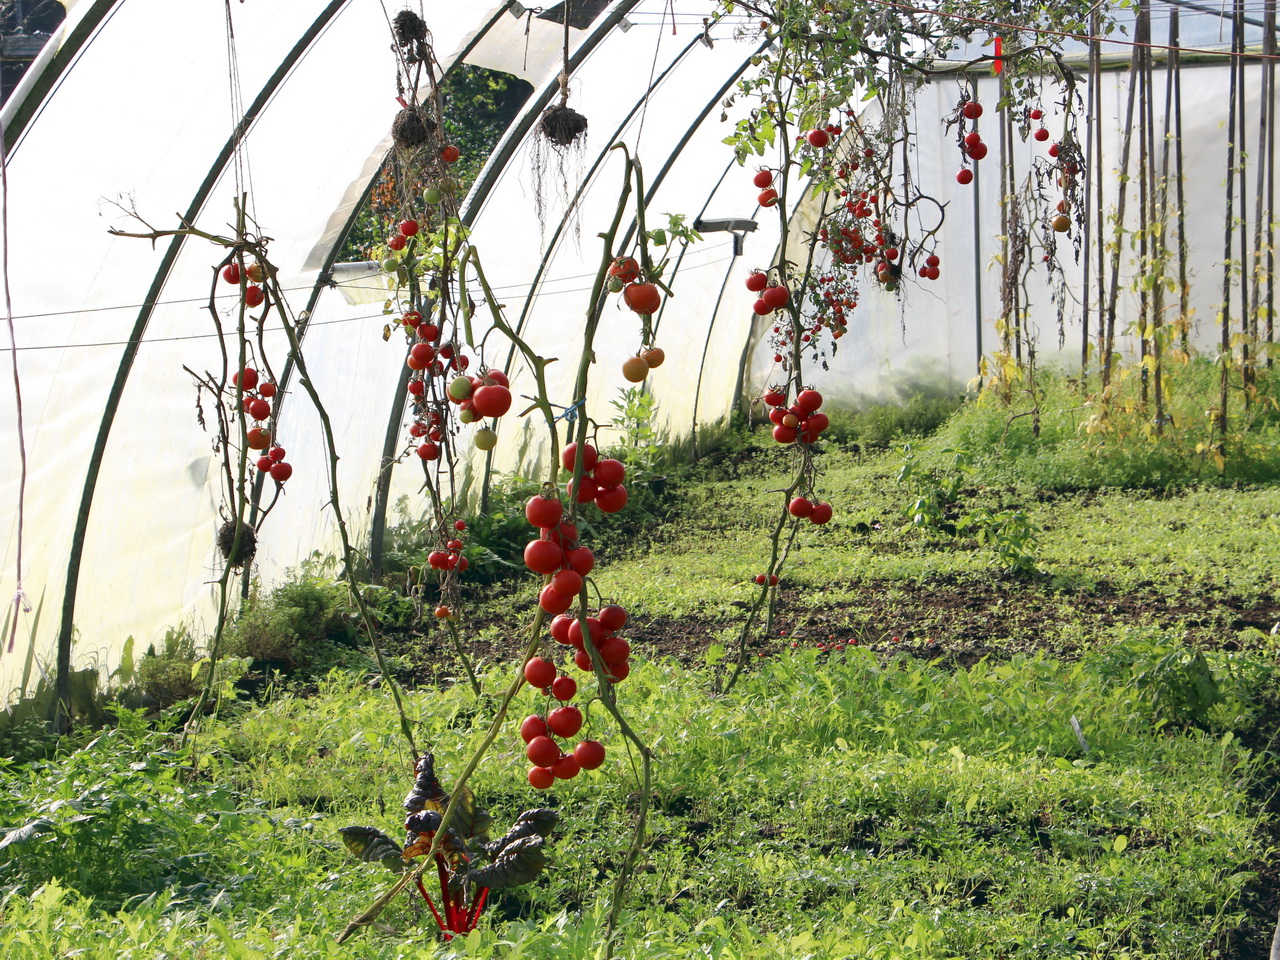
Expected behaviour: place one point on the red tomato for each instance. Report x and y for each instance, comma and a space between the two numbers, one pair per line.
246, 378
268, 390
609, 473
589, 754
821, 513
594, 627
625, 269
567, 583
612, 499
543, 511
972, 110
259, 409
800, 507
763, 179
539, 673
265, 464
581, 559
818, 138
757, 281
964, 177
809, 400
560, 629
978, 151
775, 297
586, 490
565, 721
450, 154
540, 778
281, 472
552, 602
542, 751
564, 688
589, 457
491, 401
259, 438
767, 197
396, 242
408, 227
424, 353
612, 617
618, 672
429, 451
231, 273
614, 650
784, 434
642, 298
543, 556
534, 726
566, 768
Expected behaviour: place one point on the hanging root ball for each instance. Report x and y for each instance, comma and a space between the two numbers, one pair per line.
411, 129
409, 27
562, 125
245, 550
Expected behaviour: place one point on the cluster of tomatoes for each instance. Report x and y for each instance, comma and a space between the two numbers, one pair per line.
253, 293
451, 557
550, 761
407, 229
816, 512
972, 145
257, 404
772, 297
601, 479
800, 421
642, 298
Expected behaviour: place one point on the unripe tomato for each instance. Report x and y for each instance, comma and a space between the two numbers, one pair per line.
539, 673
485, 439
460, 386
1061, 224
542, 751
254, 272
589, 754
541, 778
431, 195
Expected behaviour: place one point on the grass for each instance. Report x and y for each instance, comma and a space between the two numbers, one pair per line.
898, 775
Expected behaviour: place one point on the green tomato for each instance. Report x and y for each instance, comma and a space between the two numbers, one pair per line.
486, 439
460, 387
468, 416
391, 265
431, 195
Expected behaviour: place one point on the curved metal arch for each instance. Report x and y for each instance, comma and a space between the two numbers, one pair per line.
63, 676
74, 43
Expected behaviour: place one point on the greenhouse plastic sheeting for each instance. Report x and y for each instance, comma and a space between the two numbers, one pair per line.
145, 132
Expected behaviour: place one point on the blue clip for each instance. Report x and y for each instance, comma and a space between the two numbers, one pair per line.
571, 413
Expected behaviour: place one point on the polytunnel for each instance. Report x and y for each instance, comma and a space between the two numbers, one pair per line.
142, 115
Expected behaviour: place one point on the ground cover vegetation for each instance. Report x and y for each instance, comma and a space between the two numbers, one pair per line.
984, 680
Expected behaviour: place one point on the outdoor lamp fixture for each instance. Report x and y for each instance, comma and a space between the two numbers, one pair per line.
736, 227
